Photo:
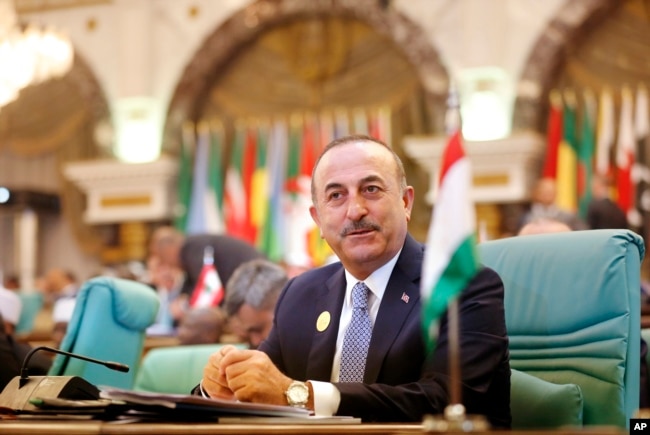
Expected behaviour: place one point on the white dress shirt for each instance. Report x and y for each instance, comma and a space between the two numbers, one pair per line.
326, 396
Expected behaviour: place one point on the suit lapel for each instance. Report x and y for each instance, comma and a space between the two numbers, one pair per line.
400, 299
329, 299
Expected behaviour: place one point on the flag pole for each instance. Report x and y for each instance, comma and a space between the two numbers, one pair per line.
454, 357
208, 255
455, 411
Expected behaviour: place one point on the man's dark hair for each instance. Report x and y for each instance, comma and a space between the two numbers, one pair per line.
401, 173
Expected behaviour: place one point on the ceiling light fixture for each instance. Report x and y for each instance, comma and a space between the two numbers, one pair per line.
29, 54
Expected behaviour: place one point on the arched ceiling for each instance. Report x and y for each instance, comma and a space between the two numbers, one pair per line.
614, 53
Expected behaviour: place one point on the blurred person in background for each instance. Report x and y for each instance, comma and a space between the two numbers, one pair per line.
543, 206
12, 351
173, 249
602, 212
166, 281
11, 282
60, 283
201, 326
251, 295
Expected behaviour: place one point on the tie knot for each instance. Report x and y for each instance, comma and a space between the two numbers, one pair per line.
360, 296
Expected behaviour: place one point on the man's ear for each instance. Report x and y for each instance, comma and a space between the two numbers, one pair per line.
314, 216
408, 198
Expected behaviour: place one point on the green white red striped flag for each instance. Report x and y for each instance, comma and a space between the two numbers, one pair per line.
450, 259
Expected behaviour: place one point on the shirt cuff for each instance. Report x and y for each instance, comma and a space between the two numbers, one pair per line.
326, 398
203, 393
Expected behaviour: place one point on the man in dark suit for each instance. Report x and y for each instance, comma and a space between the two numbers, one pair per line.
13, 352
602, 212
362, 204
175, 250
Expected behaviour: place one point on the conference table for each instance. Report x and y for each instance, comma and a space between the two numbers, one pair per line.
98, 427
26, 427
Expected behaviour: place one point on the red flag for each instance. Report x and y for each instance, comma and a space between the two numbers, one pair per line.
553, 136
235, 193
248, 169
208, 291
625, 153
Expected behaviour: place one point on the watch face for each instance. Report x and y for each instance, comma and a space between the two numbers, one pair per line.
298, 393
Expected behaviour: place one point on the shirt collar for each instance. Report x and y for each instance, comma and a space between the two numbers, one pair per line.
376, 282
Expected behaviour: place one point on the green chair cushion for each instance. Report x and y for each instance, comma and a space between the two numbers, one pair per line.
537, 404
174, 369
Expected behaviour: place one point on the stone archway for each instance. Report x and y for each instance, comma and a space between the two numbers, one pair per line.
253, 20
558, 41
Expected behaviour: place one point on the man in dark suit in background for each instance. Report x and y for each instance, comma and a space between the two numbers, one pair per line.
362, 204
602, 212
176, 250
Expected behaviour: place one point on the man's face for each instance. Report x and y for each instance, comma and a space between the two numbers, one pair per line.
253, 325
359, 206
167, 255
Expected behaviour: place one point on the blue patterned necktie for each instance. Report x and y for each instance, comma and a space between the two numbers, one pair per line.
357, 337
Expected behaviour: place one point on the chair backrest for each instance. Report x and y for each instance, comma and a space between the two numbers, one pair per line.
32, 304
108, 323
174, 369
572, 304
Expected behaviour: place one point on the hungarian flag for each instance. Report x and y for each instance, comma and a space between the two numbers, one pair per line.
208, 291
450, 259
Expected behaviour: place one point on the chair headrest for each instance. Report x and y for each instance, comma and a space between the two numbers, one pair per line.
135, 305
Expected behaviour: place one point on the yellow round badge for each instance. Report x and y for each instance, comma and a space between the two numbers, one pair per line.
323, 321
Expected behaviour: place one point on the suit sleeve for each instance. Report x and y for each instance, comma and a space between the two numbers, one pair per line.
485, 369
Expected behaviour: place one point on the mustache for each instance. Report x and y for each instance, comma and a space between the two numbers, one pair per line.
360, 226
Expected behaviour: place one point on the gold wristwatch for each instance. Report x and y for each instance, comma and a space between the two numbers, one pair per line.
297, 394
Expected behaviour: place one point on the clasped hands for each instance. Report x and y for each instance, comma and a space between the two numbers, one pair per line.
244, 375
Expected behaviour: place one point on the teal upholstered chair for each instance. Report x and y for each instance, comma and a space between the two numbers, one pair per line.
108, 323
572, 306
32, 304
174, 369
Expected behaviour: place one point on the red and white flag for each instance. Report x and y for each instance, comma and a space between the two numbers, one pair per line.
209, 291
